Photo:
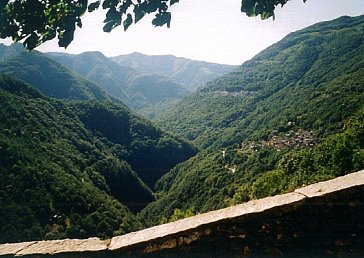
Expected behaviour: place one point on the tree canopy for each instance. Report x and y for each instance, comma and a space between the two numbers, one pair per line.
37, 21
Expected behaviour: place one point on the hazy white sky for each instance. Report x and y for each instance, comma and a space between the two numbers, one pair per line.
209, 30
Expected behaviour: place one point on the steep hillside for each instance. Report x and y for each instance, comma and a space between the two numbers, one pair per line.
148, 90
51, 78
150, 151
50, 187
214, 180
159, 110
189, 73
135, 88
75, 169
290, 116
100, 69
313, 79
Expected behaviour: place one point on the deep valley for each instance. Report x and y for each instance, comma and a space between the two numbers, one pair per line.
98, 146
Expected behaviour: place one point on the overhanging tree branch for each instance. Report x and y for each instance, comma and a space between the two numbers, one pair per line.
36, 21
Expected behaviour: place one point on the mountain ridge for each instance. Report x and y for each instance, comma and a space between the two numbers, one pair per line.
52, 78
190, 73
135, 88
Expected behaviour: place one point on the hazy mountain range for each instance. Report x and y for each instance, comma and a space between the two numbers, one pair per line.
142, 81
189, 73
140, 88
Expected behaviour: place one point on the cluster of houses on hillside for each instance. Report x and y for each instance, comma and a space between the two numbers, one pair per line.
292, 139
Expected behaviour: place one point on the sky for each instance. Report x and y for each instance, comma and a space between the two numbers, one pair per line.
207, 30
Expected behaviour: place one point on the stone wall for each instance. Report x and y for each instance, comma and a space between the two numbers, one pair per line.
321, 220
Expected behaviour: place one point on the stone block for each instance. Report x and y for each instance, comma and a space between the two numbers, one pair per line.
65, 246
279, 203
340, 184
12, 249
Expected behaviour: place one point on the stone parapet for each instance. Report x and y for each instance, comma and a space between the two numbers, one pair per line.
281, 225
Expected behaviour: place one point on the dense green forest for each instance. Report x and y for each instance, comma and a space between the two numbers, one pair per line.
76, 162
292, 115
72, 169
313, 77
213, 180
99, 69
50, 77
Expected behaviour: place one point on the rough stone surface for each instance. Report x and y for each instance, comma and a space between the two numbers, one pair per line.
285, 201
8, 249
342, 183
65, 246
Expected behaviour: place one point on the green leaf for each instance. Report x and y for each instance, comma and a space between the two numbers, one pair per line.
93, 6
113, 15
174, 1
79, 22
32, 41
139, 14
108, 26
162, 18
125, 6
149, 7
247, 5
81, 7
48, 35
128, 21
265, 15
66, 38
163, 7
283, 2
110, 4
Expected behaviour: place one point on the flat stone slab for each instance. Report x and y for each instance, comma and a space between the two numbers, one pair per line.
194, 223
335, 185
11, 249
65, 246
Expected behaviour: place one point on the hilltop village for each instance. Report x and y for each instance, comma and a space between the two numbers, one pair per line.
292, 139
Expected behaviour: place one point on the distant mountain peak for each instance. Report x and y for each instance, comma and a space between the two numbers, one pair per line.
189, 73
93, 53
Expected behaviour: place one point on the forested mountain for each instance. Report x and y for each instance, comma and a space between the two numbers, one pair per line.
312, 78
147, 90
137, 89
74, 169
50, 77
100, 69
217, 179
292, 115
189, 73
